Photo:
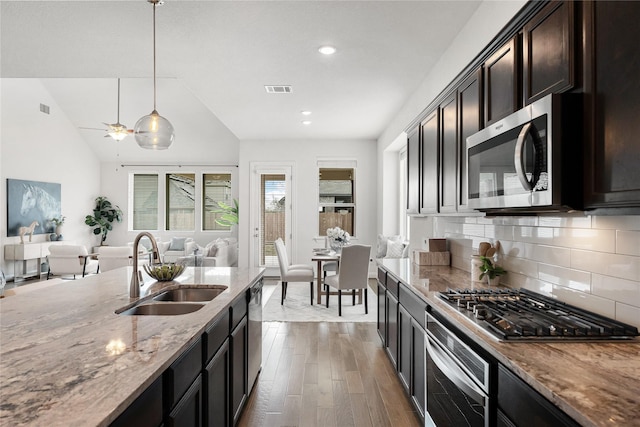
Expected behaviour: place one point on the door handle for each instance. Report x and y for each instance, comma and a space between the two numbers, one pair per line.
519, 158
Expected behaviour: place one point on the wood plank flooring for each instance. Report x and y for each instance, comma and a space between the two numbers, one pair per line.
326, 374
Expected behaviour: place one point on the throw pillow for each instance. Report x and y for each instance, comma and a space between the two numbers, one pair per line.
395, 249
382, 244
211, 249
177, 244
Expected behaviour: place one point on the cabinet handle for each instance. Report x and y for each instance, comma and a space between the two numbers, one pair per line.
451, 370
519, 158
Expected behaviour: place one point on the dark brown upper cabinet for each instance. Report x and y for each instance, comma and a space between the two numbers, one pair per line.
430, 162
548, 51
413, 171
448, 154
612, 89
501, 88
470, 121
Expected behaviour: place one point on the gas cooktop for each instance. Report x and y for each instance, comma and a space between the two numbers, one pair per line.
515, 315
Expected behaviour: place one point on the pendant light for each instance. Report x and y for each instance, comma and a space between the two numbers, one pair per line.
154, 132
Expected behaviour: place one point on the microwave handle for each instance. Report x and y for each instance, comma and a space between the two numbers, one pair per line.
519, 158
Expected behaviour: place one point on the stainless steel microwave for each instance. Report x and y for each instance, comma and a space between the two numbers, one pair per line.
530, 161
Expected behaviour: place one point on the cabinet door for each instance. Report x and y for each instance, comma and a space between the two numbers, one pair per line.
470, 121
548, 51
501, 83
188, 411
392, 329
429, 167
216, 388
612, 175
418, 368
145, 411
239, 375
404, 347
413, 171
448, 154
382, 311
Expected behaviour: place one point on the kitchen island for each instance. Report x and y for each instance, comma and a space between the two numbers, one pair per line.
67, 358
595, 383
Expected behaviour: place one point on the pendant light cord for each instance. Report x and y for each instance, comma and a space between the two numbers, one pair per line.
118, 121
154, 55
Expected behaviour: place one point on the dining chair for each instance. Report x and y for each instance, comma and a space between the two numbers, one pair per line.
353, 273
292, 273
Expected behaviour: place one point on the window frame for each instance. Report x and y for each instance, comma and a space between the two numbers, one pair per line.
338, 164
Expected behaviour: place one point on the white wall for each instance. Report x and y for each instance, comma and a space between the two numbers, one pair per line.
48, 148
304, 155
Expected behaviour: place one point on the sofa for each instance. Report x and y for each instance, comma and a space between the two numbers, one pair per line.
176, 248
222, 252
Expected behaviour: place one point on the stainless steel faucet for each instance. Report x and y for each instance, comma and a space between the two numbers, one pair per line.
136, 277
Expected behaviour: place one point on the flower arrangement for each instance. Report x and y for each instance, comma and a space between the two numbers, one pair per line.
58, 221
338, 235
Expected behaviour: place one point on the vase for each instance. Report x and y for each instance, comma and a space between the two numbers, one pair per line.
336, 246
59, 229
493, 282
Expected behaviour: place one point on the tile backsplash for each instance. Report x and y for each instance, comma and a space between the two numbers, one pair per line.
587, 261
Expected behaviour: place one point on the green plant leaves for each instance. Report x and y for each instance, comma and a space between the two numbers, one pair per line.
104, 214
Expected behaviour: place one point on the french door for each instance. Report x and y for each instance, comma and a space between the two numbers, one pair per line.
271, 207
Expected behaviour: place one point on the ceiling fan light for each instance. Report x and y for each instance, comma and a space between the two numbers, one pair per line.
118, 134
154, 132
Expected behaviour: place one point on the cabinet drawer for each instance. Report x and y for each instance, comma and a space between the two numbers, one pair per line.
179, 376
413, 304
215, 335
145, 411
238, 310
392, 285
382, 276
188, 411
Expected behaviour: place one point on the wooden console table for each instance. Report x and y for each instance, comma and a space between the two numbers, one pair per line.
26, 252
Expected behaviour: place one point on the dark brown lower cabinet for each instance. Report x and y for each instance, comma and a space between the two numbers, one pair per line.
188, 410
382, 313
145, 411
216, 386
404, 358
239, 387
411, 357
392, 328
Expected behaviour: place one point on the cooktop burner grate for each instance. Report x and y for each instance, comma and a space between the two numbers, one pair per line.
521, 314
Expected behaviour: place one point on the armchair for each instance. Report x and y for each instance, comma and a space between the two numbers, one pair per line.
177, 248
111, 257
70, 259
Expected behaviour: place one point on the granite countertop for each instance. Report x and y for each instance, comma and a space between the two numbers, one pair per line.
67, 359
595, 383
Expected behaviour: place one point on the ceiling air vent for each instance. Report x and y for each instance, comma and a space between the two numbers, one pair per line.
278, 89
44, 108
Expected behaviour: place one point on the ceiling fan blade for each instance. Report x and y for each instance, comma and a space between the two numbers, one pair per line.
103, 130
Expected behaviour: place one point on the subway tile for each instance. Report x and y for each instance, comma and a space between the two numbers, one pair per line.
579, 238
628, 242
531, 221
520, 266
628, 314
516, 281
602, 306
549, 254
473, 229
573, 279
627, 222
616, 289
512, 249
620, 266
577, 221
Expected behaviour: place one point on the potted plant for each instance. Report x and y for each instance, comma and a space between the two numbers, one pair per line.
492, 271
103, 215
230, 214
58, 224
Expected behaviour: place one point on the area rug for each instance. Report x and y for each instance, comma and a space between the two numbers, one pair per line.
296, 307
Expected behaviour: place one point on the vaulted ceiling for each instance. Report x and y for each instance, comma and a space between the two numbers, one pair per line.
215, 57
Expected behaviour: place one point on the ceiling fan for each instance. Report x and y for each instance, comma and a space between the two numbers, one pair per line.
116, 130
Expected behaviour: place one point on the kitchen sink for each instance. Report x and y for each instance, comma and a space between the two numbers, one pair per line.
191, 294
162, 309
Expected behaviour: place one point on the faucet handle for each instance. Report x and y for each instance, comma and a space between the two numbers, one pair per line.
140, 278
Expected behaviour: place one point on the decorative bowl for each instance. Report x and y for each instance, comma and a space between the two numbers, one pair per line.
165, 271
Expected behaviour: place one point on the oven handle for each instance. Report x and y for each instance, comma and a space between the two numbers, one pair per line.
518, 158
453, 372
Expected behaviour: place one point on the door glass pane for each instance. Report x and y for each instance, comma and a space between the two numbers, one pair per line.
145, 202
337, 200
181, 202
215, 188
272, 217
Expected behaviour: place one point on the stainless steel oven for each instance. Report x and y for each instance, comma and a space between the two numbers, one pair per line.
457, 380
530, 160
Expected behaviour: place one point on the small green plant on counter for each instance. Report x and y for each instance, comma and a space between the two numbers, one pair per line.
488, 268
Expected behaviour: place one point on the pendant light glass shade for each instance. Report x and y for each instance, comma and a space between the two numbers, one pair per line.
154, 132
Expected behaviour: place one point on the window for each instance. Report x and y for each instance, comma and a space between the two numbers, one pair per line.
181, 206
145, 202
215, 188
337, 199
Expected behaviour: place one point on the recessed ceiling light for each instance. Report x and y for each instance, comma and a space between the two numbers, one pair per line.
305, 113
327, 50
306, 122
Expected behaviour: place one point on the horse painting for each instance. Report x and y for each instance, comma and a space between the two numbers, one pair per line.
27, 230
29, 201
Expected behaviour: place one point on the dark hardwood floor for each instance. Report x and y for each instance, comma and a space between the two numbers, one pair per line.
326, 374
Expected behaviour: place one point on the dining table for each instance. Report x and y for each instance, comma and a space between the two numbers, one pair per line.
320, 258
